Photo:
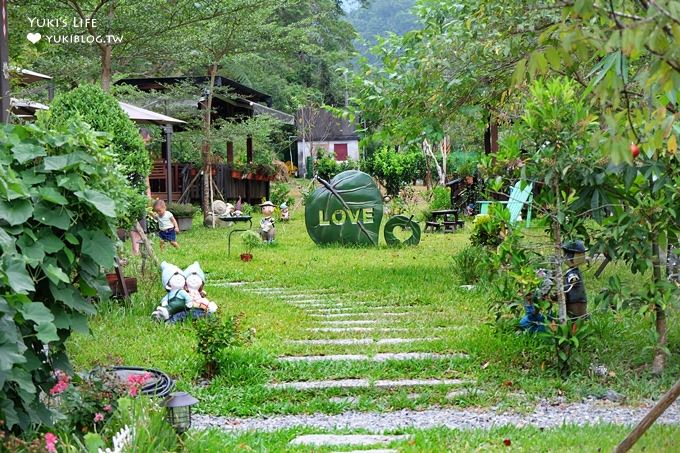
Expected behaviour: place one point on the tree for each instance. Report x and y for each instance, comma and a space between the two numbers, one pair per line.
626, 56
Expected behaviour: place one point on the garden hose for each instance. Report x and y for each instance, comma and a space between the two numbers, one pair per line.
405, 223
160, 384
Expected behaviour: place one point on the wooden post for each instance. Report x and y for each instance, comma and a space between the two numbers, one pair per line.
249, 149
4, 65
649, 419
230, 153
493, 129
167, 151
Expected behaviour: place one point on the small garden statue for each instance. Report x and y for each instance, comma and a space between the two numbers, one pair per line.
195, 280
285, 215
177, 300
238, 207
533, 320
574, 289
267, 229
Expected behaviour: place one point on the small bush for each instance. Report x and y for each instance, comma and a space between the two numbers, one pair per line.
472, 265
280, 193
439, 198
488, 230
213, 335
182, 209
326, 166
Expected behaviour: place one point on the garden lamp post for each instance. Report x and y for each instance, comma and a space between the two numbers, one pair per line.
178, 406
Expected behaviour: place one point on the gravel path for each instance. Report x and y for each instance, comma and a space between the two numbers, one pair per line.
545, 415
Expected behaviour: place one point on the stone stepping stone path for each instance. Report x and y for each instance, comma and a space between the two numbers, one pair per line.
357, 329
350, 322
357, 341
331, 440
380, 357
365, 383
349, 315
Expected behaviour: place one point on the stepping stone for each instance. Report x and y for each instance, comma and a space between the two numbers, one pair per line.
364, 383
414, 396
464, 392
353, 309
379, 450
352, 341
381, 357
349, 322
347, 315
357, 329
325, 440
344, 399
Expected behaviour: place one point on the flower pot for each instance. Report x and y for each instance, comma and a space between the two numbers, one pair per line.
236, 174
250, 176
193, 172
260, 177
184, 223
246, 257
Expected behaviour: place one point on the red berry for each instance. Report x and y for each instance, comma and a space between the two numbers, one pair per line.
507, 442
634, 150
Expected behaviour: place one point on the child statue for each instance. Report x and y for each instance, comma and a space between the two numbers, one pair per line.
285, 215
195, 279
574, 289
177, 300
267, 229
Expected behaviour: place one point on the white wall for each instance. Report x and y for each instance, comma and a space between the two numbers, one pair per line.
304, 151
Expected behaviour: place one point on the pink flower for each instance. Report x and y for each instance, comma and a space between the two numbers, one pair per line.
136, 381
63, 380
98, 417
51, 442
133, 390
108, 408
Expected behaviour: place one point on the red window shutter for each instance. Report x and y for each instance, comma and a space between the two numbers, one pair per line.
340, 150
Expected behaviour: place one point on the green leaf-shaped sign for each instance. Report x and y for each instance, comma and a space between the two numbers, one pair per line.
346, 210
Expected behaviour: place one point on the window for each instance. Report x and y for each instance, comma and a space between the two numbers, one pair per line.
340, 150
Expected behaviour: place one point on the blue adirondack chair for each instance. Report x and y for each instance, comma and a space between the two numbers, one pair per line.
519, 196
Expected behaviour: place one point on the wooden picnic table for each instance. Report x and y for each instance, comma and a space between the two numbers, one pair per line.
449, 220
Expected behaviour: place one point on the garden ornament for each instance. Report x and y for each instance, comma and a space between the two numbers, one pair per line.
238, 207
574, 288
267, 229
285, 214
177, 300
195, 280
533, 320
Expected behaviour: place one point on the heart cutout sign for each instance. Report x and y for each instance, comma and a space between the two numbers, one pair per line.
347, 209
402, 230
34, 37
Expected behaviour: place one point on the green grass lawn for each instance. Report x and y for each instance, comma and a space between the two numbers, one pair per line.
508, 369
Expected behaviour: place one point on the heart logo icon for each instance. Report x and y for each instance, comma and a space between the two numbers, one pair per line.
34, 37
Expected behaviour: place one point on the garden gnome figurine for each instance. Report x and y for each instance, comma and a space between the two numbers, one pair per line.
574, 289
195, 281
177, 300
285, 215
267, 230
237, 208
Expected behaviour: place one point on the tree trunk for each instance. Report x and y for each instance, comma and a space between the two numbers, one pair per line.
106, 68
659, 362
205, 148
559, 283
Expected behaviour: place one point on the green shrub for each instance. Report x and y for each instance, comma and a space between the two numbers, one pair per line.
102, 111
439, 198
488, 230
326, 166
250, 240
182, 209
280, 193
473, 265
396, 169
57, 219
214, 335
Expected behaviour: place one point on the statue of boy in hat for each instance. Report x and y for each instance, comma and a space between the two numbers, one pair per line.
267, 229
285, 214
574, 289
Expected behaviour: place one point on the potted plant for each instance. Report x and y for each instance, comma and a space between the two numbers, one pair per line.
184, 213
250, 240
237, 169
